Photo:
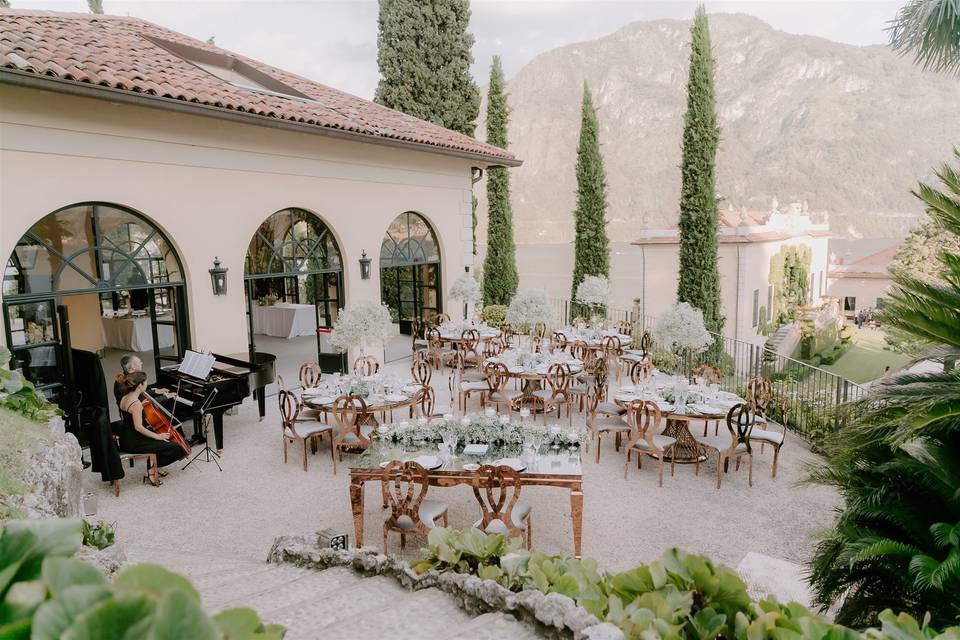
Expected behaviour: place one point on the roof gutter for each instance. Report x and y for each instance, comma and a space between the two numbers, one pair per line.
86, 90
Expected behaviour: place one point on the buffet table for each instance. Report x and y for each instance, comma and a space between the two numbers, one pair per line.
135, 334
285, 320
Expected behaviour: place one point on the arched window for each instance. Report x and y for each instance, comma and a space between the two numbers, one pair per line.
409, 240
410, 270
90, 247
292, 242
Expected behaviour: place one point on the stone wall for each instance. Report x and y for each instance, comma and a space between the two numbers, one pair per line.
52, 476
552, 615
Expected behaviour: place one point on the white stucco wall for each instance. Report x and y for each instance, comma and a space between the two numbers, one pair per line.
744, 267
865, 290
208, 184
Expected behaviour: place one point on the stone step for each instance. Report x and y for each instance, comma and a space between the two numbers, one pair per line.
337, 602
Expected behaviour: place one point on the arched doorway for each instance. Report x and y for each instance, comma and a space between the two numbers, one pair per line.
410, 270
92, 280
294, 287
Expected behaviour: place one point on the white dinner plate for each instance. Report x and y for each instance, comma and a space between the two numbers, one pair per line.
428, 462
471, 466
513, 463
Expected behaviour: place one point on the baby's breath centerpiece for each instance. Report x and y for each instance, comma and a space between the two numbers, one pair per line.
361, 324
681, 329
467, 290
528, 307
592, 293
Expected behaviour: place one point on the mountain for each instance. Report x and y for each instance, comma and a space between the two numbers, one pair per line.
850, 130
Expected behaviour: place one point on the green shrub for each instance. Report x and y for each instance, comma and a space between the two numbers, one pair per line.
680, 596
19, 394
46, 595
99, 536
494, 314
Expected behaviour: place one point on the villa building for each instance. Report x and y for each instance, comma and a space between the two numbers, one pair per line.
753, 249
859, 281
138, 162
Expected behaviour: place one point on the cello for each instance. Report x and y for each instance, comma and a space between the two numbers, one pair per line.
161, 421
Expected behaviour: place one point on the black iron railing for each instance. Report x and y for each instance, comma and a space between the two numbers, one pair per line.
810, 400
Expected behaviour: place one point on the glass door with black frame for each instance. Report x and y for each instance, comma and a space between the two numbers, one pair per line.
167, 309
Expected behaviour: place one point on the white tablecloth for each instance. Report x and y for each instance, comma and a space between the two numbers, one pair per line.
134, 334
285, 320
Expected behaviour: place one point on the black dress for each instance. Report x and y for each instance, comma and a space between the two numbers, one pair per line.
132, 441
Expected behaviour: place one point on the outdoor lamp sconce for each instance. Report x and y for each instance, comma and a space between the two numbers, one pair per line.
364, 267
218, 278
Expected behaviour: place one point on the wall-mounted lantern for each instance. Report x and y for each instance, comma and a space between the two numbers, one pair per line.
218, 278
364, 267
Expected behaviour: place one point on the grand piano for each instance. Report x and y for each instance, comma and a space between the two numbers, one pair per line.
233, 378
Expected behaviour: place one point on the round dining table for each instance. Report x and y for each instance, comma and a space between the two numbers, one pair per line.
454, 335
686, 449
595, 341
534, 377
375, 403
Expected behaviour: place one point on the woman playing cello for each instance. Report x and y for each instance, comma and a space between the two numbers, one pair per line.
134, 435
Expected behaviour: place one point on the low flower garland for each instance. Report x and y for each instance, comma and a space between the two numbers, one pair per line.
495, 430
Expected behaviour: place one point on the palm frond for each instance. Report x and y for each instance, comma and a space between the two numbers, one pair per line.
930, 31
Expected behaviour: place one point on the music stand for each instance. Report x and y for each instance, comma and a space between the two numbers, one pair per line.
205, 417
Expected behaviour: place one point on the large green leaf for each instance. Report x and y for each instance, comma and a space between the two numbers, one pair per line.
126, 617
55, 616
178, 616
62, 573
153, 580
237, 623
24, 544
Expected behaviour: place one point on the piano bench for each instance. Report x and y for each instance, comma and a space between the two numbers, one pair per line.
151, 459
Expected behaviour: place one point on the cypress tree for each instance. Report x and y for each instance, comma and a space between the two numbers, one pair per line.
500, 267
423, 51
591, 253
96, 6
699, 282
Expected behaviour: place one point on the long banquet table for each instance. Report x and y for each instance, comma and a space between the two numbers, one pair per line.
560, 468
285, 320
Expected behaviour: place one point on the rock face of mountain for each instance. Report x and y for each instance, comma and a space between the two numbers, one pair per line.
848, 129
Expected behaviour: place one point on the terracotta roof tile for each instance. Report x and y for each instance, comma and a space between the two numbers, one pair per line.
127, 54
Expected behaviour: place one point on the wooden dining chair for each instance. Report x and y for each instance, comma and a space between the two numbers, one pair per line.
418, 336
640, 372
580, 350
365, 366
468, 388
497, 490
558, 342
441, 318
540, 330
309, 375
421, 372
405, 486
579, 322
761, 396
601, 422
497, 393
536, 343
646, 438
709, 373
734, 444
557, 392
427, 405
297, 431
469, 347
304, 413
508, 334
350, 434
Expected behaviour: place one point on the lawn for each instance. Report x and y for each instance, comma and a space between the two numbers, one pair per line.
865, 360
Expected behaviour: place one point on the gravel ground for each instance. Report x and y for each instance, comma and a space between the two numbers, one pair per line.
257, 497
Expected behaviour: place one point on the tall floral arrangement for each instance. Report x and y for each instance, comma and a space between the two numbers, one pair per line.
467, 290
528, 307
681, 327
361, 324
593, 292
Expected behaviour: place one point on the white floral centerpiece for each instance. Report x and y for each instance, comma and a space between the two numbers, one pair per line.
593, 293
528, 307
494, 430
361, 324
467, 290
681, 328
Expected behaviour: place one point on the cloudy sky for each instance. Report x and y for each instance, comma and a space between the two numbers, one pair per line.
335, 41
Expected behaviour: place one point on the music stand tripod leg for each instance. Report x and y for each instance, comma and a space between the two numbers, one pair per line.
206, 446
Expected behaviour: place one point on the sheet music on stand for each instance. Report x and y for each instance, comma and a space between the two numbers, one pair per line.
196, 364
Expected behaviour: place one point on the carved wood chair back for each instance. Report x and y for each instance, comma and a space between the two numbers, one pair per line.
309, 375
497, 489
